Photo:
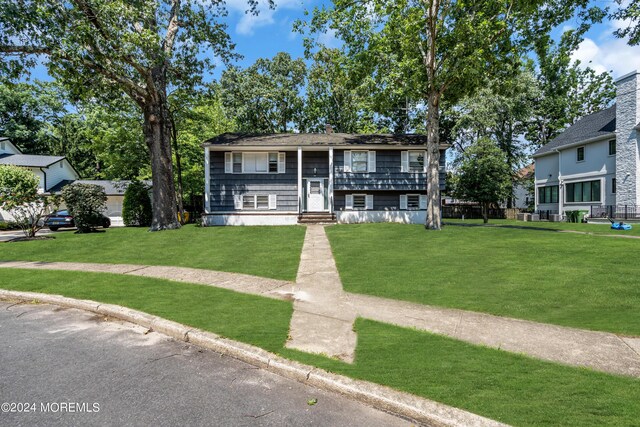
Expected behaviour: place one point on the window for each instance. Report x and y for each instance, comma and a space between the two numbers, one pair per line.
237, 162
416, 161
2, 146
580, 154
413, 201
613, 185
548, 194
61, 165
612, 147
273, 162
588, 191
358, 201
412, 161
359, 161
257, 201
261, 162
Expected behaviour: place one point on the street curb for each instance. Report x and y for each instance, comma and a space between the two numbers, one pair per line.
421, 410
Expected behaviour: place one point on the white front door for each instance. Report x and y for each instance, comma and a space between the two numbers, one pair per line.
315, 195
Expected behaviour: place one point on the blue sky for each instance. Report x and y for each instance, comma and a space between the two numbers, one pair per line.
271, 31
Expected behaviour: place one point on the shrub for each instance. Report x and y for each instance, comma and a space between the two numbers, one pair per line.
85, 202
19, 195
136, 206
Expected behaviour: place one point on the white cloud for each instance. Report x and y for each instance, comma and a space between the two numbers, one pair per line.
248, 22
608, 54
329, 39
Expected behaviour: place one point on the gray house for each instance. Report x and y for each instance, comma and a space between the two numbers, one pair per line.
280, 179
594, 165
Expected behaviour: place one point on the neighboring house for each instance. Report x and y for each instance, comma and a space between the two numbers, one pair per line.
522, 192
287, 178
115, 196
594, 164
55, 172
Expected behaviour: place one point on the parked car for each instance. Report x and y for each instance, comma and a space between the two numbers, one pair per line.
62, 219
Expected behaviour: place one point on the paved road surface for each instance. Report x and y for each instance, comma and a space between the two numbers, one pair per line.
52, 356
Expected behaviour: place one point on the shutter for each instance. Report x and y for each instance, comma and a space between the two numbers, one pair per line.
403, 202
369, 201
372, 161
425, 162
423, 201
282, 157
348, 202
237, 201
347, 161
272, 201
404, 162
228, 162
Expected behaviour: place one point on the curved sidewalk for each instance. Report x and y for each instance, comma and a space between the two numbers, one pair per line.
324, 314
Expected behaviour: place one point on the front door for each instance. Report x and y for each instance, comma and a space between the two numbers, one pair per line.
315, 195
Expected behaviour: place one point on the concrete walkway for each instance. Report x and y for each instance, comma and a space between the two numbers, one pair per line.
324, 314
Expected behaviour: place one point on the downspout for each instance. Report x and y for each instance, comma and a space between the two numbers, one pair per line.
44, 174
560, 185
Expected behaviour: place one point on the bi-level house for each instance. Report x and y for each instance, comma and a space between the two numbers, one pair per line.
594, 164
282, 179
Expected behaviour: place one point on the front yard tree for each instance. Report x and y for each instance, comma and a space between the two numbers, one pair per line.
102, 48
19, 196
484, 175
437, 51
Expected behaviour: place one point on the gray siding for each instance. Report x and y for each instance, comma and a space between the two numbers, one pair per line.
382, 200
225, 185
388, 175
315, 159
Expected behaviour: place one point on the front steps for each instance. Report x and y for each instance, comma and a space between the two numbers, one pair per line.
317, 218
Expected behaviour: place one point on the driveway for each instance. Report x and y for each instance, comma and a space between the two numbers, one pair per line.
73, 367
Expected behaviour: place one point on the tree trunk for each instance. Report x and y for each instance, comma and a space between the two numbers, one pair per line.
433, 166
157, 135
485, 212
180, 194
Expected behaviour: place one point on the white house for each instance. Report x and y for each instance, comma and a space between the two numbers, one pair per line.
594, 164
55, 172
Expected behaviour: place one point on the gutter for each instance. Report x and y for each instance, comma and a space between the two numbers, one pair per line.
576, 144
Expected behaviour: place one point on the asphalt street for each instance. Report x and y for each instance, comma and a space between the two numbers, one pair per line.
68, 367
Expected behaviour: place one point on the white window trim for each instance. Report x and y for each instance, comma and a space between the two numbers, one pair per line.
239, 202
404, 202
371, 161
368, 202
228, 162
405, 164
584, 154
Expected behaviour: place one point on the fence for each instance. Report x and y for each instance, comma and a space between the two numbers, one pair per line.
471, 212
615, 211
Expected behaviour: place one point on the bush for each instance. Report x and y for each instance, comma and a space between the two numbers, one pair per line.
85, 202
19, 195
136, 206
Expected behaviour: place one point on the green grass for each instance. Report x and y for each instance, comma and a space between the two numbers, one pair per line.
568, 279
587, 228
507, 387
262, 251
255, 320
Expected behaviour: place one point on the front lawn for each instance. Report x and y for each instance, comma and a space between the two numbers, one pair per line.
592, 228
582, 281
511, 388
262, 251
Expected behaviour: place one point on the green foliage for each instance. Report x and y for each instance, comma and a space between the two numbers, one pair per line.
19, 195
629, 12
85, 203
136, 206
266, 96
484, 174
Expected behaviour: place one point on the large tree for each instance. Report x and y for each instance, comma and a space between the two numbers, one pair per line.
265, 97
102, 48
430, 51
628, 12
